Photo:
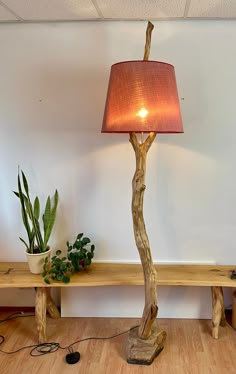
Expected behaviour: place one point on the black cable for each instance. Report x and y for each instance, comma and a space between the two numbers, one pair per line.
44, 348
9, 318
11, 315
16, 315
51, 347
99, 338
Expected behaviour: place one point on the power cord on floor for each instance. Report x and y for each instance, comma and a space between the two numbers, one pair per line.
16, 315
51, 347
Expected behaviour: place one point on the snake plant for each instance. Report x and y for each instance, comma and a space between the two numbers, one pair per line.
38, 233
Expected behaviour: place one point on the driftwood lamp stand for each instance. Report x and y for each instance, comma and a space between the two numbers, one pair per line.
142, 97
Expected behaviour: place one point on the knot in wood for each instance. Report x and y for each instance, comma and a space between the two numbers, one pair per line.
154, 310
138, 179
8, 271
140, 187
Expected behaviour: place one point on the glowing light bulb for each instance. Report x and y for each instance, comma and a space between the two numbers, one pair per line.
142, 113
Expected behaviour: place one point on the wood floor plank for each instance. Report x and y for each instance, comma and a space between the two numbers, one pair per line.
189, 348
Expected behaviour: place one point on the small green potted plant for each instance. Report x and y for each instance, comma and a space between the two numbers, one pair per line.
78, 257
38, 233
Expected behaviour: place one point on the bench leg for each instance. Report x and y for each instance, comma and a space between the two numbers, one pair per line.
223, 320
51, 307
40, 313
218, 315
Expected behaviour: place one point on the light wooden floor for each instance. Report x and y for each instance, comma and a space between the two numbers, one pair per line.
189, 349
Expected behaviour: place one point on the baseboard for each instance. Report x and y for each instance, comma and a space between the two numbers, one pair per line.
17, 309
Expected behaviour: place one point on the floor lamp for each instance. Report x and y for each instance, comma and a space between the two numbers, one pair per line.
142, 97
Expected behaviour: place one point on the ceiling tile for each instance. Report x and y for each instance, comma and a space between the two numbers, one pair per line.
5, 15
212, 8
139, 9
53, 9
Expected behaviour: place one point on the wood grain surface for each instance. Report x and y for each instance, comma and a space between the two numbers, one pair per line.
16, 274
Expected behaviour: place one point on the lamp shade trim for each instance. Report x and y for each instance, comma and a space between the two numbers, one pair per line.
143, 61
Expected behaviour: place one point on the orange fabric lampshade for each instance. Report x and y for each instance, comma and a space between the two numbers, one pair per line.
142, 97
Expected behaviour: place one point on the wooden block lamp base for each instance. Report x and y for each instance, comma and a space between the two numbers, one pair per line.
144, 351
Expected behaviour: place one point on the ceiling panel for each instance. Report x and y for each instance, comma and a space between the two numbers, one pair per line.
140, 9
5, 15
212, 8
53, 9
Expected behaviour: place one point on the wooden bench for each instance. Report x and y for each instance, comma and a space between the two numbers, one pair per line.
17, 275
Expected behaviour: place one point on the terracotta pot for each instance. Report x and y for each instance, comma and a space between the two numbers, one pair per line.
36, 261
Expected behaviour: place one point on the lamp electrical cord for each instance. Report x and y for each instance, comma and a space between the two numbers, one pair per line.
51, 347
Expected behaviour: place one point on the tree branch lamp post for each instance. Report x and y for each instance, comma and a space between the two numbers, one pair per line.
142, 97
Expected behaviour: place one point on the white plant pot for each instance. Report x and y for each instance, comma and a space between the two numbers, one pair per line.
36, 261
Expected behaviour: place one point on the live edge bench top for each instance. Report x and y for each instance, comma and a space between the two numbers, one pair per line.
16, 274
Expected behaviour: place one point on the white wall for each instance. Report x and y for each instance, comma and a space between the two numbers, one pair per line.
53, 81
